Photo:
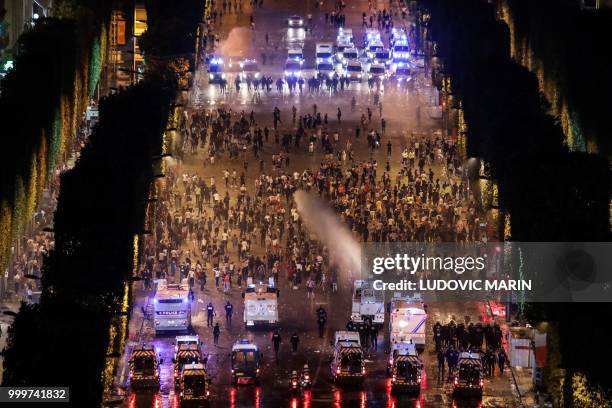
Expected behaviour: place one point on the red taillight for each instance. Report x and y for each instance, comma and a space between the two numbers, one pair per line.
393, 378
481, 383
456, 381
257, 371
307, 377
363, 371
338, 370
294, 383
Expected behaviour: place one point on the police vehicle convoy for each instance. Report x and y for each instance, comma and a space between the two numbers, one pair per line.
368, 304
344, 41
250, 70
193, 387
324, 52
405, 368
260, 305
293, 68
407, 320
382, 57
246, 362
402, 75
397, 35
349, 54
354, 70
347, 360
469, 376
373, 43
325, 70
216, 70
400, 53
172, 307
295, 21
144, 368
377, 72
296, 54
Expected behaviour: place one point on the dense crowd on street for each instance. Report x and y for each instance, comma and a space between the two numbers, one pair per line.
241, 226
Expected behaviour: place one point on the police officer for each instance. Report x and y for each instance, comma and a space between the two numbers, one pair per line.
440, 364
216, 333
321, 320
229, 310
276, 341
438, 336
374, 337
295, 340
350, 326
210, 311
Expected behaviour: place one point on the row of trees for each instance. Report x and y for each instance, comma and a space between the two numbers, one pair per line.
66, 339
552, 194
42, 101
568, 45
63, 340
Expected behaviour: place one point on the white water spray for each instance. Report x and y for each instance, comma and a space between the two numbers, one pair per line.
321, 220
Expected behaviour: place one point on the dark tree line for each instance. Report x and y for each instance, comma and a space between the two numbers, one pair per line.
573, 46
63, 340
551, 193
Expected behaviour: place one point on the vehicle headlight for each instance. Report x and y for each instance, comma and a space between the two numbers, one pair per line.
301, 21
222, 75
359, 75
211, 76
286, 73
257, 75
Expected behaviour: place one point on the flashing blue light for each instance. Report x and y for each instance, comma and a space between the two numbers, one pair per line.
216, 61
155, 300
185, 300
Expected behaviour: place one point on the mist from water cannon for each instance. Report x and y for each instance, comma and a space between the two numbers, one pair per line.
321, 220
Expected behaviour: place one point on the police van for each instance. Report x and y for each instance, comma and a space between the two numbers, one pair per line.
260, 305
172, 307
347, 360
246, 361
144, 367
407, 320
193, 386
405, 368
324, 52
368, 304
469, 377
